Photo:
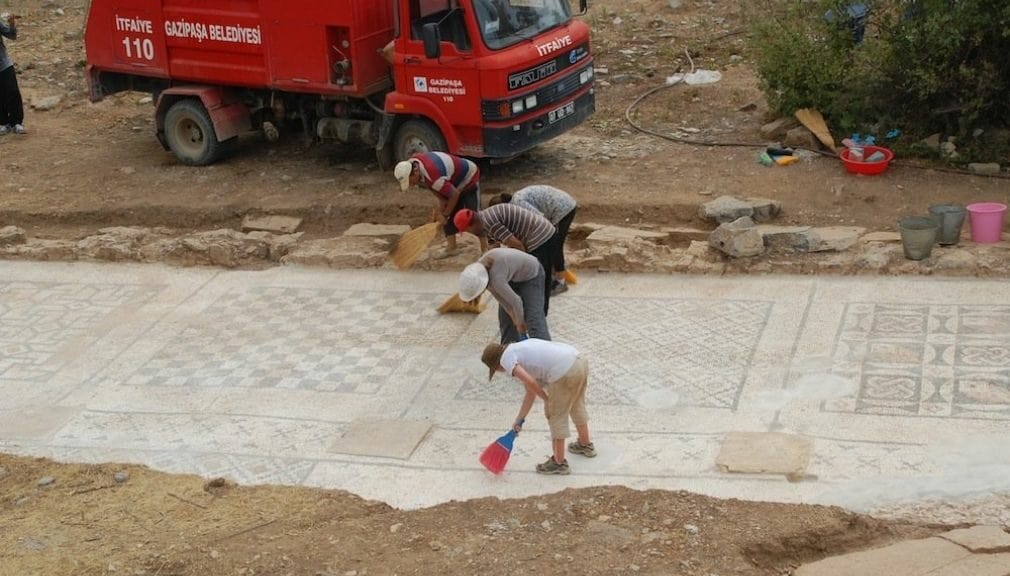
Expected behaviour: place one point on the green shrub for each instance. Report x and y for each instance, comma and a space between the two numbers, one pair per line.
923, 66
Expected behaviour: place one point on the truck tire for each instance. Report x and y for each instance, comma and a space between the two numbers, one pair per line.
190, 134
416, 136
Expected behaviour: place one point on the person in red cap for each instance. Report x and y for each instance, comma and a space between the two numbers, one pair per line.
515, 227
454, 181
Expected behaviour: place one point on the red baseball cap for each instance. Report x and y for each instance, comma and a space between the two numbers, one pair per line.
463, 219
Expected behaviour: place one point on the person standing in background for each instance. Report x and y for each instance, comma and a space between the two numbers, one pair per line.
559, 208
12, 110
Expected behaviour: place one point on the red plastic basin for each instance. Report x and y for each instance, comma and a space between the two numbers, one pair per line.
863, 167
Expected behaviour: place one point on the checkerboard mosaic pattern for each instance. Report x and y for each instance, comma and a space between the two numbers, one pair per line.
694, 352
323, 340
922, 360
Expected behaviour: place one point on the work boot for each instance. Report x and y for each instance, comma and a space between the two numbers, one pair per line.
552, 467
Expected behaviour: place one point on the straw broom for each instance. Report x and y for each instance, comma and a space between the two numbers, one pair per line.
456, 304
814, 122
412, 243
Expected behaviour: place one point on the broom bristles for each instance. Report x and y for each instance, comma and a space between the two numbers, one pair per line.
495, 457
814, 121
456, 304
412, 243
570, 277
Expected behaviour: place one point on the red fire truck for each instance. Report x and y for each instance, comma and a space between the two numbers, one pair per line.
478, 78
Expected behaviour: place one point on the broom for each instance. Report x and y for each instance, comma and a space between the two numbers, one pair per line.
814, 122
412, 243
456, 304
496, 455
570, 277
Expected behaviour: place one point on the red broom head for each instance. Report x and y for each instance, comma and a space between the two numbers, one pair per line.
495, 457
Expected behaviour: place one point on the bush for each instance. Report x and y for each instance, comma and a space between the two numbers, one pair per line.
923, 66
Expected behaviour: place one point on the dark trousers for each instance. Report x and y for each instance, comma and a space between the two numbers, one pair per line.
558, 240
545, 255
531, 292
12, 109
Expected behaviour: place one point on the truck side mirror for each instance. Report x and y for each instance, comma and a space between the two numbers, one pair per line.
432, 40
583, 6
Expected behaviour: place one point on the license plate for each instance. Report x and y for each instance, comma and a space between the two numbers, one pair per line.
566, 110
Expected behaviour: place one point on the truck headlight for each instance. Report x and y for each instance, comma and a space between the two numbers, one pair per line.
517, 106
585, 75
531, 102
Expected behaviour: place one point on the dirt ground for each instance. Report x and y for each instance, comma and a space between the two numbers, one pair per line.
87, 166
86, 523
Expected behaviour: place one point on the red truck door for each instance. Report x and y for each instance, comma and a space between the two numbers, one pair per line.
449, 84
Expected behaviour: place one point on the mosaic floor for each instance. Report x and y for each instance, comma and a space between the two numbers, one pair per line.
258, 376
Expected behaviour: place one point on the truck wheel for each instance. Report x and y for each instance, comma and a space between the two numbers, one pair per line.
190, 134
416, 136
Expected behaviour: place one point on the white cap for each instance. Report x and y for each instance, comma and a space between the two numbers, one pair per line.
402, 173
472, 281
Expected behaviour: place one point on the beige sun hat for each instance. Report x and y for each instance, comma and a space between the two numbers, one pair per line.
491, 357
472, 281
402, 173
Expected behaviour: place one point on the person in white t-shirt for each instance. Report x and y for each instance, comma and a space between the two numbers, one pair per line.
556, 373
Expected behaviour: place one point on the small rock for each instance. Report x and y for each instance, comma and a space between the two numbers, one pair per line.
949, 150
776, 130
675, 4
46, 103
215, 554
800, 137
10, 235
21, 501
351, 573
735, 58
541, 506
932, 142
691, 529
145, 100
634, 567
435, 545
395, 528
546, 525
128, 170
984, 168
749, 107
737, 239
46, 481
120, 477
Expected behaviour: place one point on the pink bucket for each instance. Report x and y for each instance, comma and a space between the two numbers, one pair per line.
986, 221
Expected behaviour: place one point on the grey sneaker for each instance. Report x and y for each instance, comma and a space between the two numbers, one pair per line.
558, 288
587, 450
19, 129
4, 129
552, 467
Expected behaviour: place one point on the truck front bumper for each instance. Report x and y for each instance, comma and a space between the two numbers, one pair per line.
508, 141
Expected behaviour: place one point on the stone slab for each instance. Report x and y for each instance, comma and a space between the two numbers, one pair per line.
836, 238
36, 422
881, 237
765, 453
910, 558
272, 223
984, 539
621, 234
388, 231
977, 565
382, 438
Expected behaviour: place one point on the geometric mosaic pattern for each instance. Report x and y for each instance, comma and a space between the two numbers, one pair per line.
323, 340
38, 320
692, 352
922, 360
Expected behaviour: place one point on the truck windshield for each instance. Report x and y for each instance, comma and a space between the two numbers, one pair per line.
503, 23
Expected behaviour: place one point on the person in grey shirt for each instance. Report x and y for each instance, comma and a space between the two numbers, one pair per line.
12, 111
558, 207
516, 280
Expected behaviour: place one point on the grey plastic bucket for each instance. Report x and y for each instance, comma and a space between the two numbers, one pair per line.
918, 234
949, 218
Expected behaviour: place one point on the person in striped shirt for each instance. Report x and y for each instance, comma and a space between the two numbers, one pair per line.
558, 207
515, 227
454, 181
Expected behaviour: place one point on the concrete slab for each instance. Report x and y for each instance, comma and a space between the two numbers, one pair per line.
383, 438
910, 558
36, 422
386, 231
980, 539
977, 565
765, 453
271, 223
